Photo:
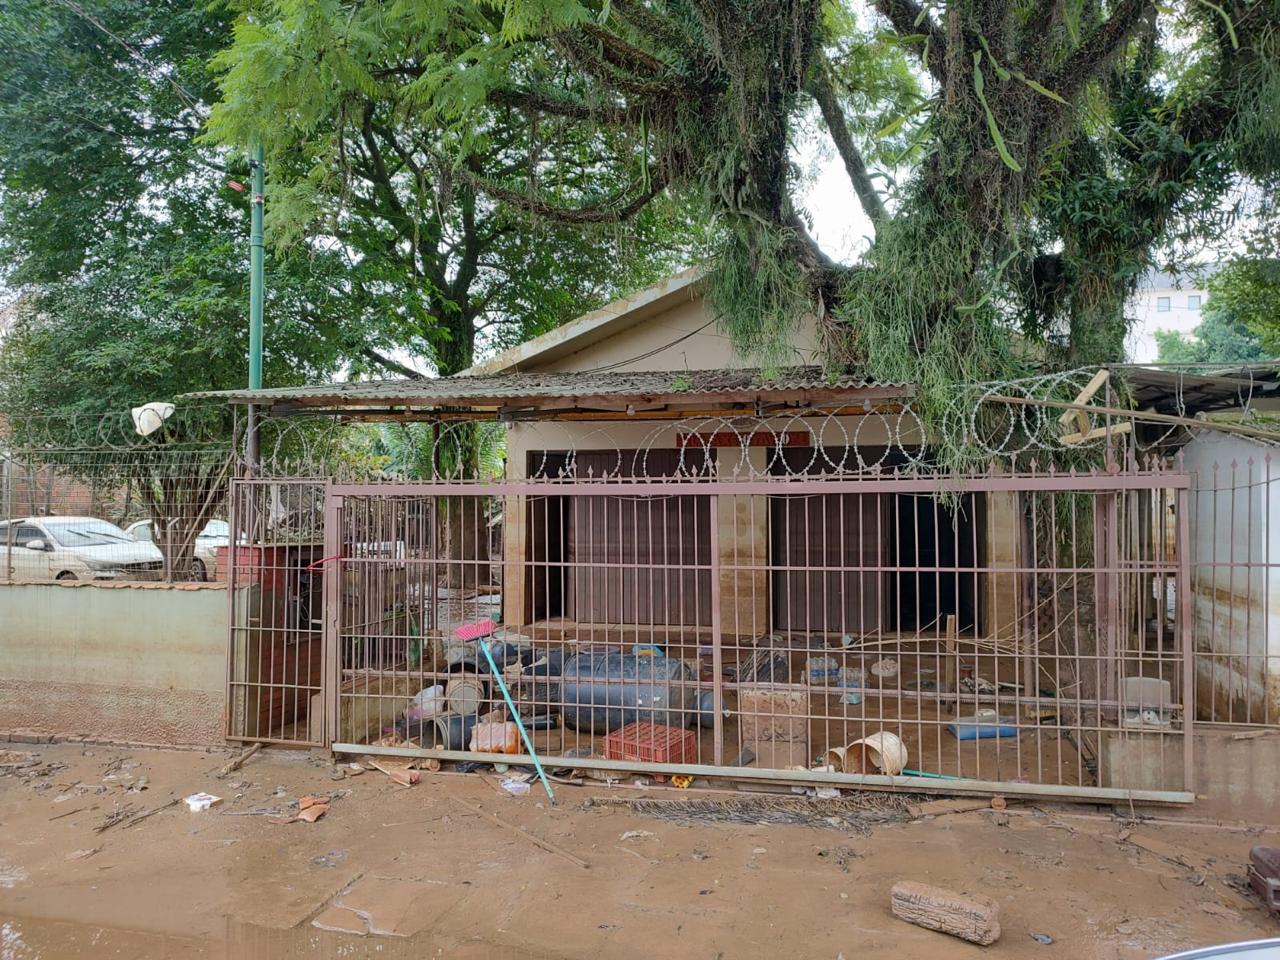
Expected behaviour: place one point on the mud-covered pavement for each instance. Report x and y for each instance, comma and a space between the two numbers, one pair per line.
430, 878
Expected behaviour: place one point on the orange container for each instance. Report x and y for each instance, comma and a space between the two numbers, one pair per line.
495, 738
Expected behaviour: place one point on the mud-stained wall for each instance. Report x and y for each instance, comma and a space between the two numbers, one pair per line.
1235, 558
141, 662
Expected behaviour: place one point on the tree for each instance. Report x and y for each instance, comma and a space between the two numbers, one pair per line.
149, 317
1250, 289
1053, 149
1220, 337
333, 92
130, 254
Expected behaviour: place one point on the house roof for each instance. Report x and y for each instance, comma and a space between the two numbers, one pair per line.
511, 393
595, 326
1184, 392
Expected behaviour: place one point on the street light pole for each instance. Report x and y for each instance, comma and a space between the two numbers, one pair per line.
255, 297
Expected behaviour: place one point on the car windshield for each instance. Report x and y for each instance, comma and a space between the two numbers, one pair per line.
216, 528
86, 533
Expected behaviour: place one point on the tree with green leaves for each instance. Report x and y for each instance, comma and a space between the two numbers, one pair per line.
1249, 289
333, 92
130, 254
1220, 337
1038, 155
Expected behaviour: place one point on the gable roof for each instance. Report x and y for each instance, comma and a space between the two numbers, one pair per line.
594, 326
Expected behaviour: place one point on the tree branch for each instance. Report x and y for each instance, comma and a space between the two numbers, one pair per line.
598, 213
820, 88
561, 106
388, 364
1100, 48
624, 54
903, 14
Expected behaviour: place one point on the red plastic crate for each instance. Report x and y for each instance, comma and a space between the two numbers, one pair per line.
651, 743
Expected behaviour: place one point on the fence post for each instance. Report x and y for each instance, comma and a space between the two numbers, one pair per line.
331, 585
1187, 630
717, 678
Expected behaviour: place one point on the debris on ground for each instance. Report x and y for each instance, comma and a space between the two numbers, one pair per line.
311, 809
238, 762
1043, 938
118, 815
399, 769
840, 856
84, 854
975, 919
133, 821
198, 802
537, 841
855, 813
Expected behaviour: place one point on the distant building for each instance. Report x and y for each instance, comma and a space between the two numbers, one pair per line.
1165, 301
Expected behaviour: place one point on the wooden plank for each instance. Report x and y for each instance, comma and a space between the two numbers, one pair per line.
975, 919
1078, 415
1097, 433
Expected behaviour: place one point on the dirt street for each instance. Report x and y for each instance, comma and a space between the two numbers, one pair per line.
410, 871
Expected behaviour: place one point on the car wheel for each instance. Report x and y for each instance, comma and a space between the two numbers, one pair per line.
67, 575
198, 572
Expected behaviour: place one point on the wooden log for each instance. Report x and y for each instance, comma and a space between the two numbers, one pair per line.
975, 919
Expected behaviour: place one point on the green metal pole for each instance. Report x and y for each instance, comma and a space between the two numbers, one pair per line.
255, 272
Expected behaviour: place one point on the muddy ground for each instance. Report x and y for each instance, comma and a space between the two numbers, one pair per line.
437, 880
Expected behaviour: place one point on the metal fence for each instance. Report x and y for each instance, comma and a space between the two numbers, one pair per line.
117, 498
1024, 632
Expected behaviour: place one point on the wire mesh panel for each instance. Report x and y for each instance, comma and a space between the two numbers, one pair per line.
114, 499
995, 632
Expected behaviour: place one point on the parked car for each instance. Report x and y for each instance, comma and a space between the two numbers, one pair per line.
75, 548
216, 533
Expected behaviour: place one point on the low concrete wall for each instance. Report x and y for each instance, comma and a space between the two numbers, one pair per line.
141, 662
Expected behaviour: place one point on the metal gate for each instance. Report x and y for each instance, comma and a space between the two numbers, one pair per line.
1030, 632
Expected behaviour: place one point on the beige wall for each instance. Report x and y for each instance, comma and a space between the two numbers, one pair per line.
701, 346
144, 663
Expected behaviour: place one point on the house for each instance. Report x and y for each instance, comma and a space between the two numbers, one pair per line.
665, 337
806, 578
1165, 302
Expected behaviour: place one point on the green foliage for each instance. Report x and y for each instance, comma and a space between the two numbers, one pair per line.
161, 313
356, 106
1220, 337
758, 292
1249, 291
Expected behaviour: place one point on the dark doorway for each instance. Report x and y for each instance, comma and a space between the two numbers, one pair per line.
934, 548
621, 559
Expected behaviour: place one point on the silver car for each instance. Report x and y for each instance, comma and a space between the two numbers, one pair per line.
74, 548
216, 533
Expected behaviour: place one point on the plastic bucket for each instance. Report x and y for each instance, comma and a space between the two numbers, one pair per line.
466, 694
879, 753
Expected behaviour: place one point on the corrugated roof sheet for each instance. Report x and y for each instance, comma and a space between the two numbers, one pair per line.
511, 388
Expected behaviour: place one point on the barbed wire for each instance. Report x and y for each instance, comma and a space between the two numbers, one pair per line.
1009, 425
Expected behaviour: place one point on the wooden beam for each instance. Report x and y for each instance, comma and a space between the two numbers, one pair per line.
1097, 433
1080, 417
1146, 416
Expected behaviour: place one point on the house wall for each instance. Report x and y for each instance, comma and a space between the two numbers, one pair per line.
1144, 310
680, 338
136, 662
1235, 550
683, 337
